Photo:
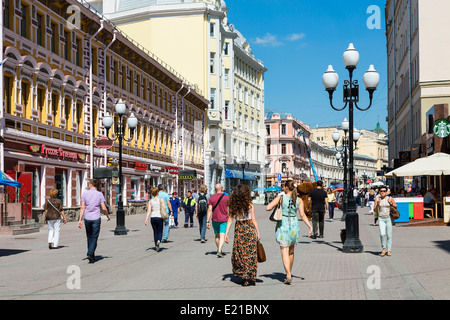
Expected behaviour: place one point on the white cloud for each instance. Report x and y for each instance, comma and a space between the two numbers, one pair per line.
268, 40
295, 36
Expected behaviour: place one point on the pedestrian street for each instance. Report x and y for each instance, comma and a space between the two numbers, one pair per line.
129, 268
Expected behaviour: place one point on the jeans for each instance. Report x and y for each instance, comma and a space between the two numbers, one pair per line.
157, 225
331, 210
317, 217
385, 226
53, 231
202, 224
92, 233
166, 229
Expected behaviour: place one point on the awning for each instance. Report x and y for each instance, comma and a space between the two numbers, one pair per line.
233, 174
6, 180
237, 174
106, 172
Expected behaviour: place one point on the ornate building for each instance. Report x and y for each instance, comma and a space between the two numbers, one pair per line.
196, 38
61, 78
287, 141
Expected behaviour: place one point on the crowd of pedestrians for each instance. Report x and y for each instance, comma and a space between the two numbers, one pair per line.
219, 211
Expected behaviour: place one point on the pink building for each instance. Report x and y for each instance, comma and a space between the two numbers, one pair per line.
286, 149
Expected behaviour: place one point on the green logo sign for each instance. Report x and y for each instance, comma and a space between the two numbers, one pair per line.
441, 128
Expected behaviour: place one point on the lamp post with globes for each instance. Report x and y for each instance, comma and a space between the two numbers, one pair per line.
119, 131
342, 155
351, 98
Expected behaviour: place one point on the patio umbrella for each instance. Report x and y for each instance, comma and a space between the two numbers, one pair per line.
437, 164
340, 189
6, 180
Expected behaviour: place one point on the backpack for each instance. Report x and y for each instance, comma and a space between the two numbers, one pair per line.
202, 204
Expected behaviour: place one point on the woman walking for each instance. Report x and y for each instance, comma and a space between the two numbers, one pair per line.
154, 211
331, 200
244, 258
52, 215
383, 205
287, 230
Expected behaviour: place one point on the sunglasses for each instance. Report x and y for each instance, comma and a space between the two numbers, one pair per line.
383, 190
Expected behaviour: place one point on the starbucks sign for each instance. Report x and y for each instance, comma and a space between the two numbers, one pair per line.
441, 128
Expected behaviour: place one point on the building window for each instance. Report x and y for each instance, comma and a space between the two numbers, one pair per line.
268, 148
211, 29
225, 48
53, 39
24, 22
40, 30
268, 129
213, 97
283, 129
283, 148
211, 63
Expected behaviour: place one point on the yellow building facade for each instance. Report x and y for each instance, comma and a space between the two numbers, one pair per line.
53, 105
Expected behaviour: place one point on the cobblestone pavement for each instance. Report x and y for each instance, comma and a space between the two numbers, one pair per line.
128, 267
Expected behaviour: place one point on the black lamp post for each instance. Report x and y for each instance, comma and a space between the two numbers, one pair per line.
244, 163
351, 97
108, 121
343, 152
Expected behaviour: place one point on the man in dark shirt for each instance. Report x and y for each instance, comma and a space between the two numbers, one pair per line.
319, 200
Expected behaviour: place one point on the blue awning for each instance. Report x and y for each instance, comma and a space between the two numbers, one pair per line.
237, 174
233, 174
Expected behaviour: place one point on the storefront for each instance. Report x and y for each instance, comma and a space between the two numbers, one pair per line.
42, 167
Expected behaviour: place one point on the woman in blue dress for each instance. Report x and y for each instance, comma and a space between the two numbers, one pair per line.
288, 229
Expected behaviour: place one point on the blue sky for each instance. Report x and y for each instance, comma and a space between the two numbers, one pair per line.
298, 39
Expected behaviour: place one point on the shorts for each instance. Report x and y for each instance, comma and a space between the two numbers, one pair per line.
219, 227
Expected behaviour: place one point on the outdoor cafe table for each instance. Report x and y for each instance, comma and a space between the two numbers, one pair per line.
409, 207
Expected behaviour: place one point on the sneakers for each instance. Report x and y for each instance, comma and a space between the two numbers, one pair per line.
219, 254
202, 241
157, 245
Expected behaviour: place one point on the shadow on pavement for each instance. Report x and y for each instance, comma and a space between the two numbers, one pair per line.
10, 252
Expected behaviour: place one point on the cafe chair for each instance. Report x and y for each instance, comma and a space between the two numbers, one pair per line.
430, 209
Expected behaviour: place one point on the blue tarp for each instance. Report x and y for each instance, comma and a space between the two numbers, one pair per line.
6, 180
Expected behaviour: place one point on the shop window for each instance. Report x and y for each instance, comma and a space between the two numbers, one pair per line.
61, 185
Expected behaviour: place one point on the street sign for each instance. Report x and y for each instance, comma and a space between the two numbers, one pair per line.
279, 177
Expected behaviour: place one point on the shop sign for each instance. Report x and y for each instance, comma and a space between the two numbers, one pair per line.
187, 177
172, 170
441, 128
57, 152
113, 162
104, 143
155, 168
140, 166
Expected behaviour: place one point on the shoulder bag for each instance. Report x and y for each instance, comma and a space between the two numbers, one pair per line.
48, 201
164, 214
260, 252
395, 214
277, 213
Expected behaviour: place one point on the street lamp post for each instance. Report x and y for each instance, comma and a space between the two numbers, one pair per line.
244, 163
351, 97
108, 121
343, 151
